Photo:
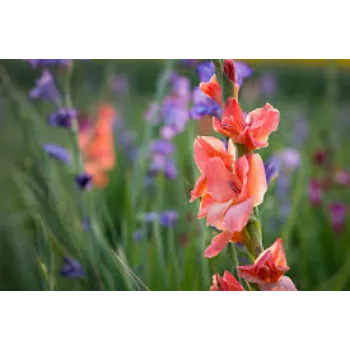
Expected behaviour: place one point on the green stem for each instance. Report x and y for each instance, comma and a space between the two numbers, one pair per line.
84, 201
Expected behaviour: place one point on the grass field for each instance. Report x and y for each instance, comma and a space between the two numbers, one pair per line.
56, 236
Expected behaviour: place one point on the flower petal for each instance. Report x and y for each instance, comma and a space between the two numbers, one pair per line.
238, 215
218, 244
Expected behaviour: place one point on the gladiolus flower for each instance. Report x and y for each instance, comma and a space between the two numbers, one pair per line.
227, 283
97, 145
268, 268
229, 189
252, 131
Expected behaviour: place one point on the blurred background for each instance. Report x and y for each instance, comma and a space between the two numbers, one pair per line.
138, 230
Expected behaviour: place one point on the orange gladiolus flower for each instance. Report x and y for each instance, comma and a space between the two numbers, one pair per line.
212, 89
97, 145
229, 189
253, 131
227, 283
268, 268
285, 284
205, 148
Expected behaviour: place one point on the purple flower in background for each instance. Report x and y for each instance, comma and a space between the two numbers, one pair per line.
138, 235
268, 84
338, 212
152, 114
84, 181
45, 88
167, 218
162, 147
164, 165
271, 170
204, 106
289, 159
315, 192
120, 85
62, 117
58, 152
71, 269
86, 225
205, 71
301, 131
243, 71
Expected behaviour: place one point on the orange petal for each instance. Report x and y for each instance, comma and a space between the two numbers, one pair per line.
218, 244
237, 216
212, 89
232, 282
285, 284
204, 206
278, 254
216, 214
206, 147
257, 185
219, 180
200, 189
263, 121
100, 179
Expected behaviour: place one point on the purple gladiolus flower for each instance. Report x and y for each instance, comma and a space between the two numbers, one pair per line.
62, 117
338, 212
289, 159
45, 88
271, 171
58, 152
84, 181
72, 269
162, 147
163, 164
152, 115
168, 218
243, 71
205, 71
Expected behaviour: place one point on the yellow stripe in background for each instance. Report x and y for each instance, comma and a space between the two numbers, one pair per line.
309, 62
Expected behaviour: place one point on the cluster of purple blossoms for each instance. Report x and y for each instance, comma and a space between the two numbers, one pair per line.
46, 90
171, 117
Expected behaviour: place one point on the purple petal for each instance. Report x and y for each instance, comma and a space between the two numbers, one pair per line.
58, 152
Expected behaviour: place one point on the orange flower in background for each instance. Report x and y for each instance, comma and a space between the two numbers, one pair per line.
97, 145
227, 283
212, 89
231, 197
252, 131
268, 268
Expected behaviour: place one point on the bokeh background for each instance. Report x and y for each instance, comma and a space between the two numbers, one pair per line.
126, 248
